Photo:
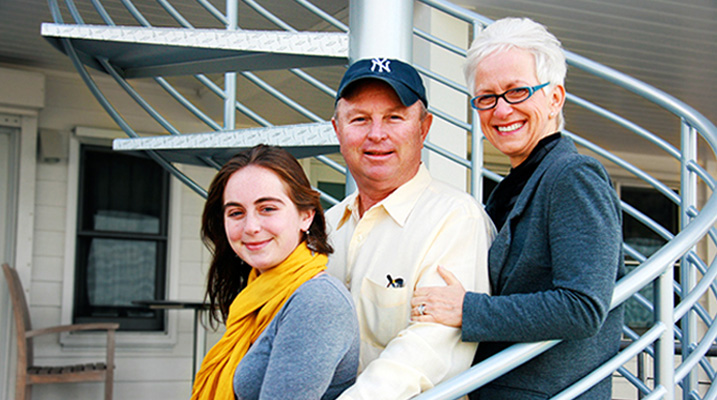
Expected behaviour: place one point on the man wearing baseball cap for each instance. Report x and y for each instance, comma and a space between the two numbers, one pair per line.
392, 234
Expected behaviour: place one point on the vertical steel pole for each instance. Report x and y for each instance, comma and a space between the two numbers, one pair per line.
476, 158
230, 78
476, 145
688, 274
379, 28
665, 346
641, 373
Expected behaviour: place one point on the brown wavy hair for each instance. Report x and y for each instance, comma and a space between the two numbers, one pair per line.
227, 272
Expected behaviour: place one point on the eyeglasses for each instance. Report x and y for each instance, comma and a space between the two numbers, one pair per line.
512, 96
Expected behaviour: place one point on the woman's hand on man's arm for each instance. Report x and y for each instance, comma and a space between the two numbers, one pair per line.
441, 304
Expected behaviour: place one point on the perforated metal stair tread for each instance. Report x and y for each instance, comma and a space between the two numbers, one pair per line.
149, 51
301, 140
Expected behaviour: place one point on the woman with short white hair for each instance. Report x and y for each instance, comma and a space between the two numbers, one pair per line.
558, 252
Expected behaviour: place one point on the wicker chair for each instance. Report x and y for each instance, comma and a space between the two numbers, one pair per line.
28, 373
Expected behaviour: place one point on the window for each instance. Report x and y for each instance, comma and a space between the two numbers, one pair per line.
643, 239
121, 239
335, 190
654, 205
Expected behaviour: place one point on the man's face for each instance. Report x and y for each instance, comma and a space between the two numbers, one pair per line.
380, 138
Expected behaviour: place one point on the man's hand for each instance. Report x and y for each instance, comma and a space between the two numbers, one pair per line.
438, 303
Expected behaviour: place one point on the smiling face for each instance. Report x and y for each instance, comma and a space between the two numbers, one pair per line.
515, 129
380, 138
262, 224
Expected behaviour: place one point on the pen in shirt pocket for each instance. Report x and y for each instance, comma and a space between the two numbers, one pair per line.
394, 283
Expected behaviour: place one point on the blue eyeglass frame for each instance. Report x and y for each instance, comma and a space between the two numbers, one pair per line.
531, 90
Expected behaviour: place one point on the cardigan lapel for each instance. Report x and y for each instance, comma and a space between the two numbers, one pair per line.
500, 248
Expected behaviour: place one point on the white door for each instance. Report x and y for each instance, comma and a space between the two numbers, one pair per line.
7, 244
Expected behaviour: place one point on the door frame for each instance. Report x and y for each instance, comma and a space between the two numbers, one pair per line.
18, 229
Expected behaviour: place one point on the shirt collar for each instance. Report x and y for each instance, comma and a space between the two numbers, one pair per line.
398, 205
351, 205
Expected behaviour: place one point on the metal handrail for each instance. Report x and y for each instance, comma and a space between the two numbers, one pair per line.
268, 88
294, 105
133, 93
626, 287
323, 15
181, 99
652, 267
606, 369
211, 85
661, 187
656, 267
94, 89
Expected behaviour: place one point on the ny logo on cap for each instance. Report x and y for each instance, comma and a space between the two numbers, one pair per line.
381, 63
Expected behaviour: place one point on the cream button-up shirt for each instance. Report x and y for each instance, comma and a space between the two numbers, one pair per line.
421, 225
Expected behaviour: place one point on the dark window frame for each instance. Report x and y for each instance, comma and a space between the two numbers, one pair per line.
130, 317
637, 317
669, 213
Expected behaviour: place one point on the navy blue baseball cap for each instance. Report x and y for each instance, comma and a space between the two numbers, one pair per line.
402, 77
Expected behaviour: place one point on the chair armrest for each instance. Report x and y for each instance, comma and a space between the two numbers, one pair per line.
105, 326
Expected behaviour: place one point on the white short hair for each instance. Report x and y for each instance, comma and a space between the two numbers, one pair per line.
522, 33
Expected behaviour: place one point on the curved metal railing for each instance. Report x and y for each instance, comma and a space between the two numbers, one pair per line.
226, 21
697, 229
686, 321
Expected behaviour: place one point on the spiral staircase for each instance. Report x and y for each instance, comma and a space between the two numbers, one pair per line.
670, 358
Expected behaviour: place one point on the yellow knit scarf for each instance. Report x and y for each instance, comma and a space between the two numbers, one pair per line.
250, 313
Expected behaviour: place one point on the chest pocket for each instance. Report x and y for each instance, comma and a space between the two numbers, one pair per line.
385, 311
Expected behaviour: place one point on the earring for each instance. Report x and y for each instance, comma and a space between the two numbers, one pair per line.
552, 114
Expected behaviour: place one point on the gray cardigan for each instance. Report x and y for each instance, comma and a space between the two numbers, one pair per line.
553, 267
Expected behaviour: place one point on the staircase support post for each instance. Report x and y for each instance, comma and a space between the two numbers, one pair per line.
230, 78
379, 28
476, 144
688, 273
665, 346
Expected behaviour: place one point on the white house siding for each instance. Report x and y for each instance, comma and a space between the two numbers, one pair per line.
149, 366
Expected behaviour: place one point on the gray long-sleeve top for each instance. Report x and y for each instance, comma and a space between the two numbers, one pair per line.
308, 351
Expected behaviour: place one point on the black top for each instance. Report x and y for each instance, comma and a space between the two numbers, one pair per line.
503, 197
